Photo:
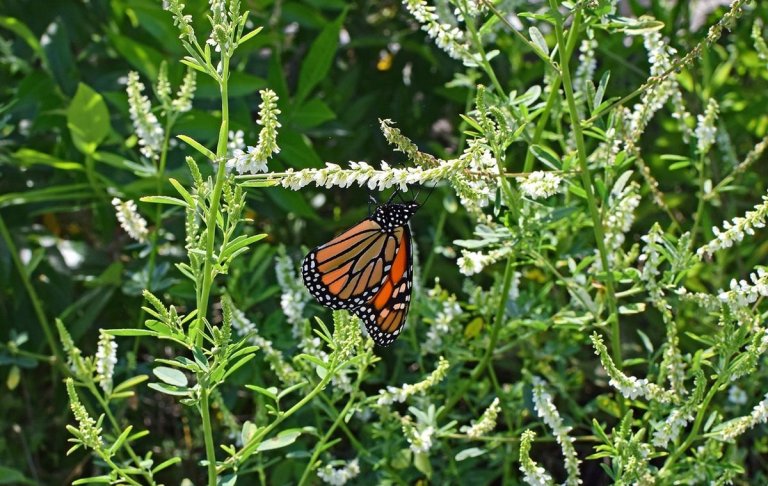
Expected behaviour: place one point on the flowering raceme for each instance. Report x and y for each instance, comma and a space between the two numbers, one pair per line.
130, 219
254, 159
145, 123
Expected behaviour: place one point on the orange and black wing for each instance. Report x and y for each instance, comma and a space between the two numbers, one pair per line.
350, 270
384, 315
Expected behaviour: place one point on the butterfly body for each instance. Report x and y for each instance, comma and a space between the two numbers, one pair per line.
368, 269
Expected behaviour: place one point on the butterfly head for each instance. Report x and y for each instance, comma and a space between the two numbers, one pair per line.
391, 216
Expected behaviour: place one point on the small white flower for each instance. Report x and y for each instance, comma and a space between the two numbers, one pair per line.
419, 441
736, 395
338, 476
254, 160
706, 129
106, 358
545, 408
471, 262
393, 394
735, 230
539, 184
145, 123
130, 219
486, 423
236, 141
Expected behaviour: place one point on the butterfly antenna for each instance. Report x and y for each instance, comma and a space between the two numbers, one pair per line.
431, 190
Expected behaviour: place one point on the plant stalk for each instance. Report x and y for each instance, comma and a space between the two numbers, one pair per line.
586, 177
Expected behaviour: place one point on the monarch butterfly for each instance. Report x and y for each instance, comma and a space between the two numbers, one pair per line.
368, 269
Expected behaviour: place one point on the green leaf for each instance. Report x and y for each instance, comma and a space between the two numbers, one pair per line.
170, 389
312, 113
94, 479
173, 201
240, 242
87, 119
422, 463
171, 376
600, 91
130, 332
538, 41
471, 452
226, 480
270, 392
237, 365
142, 57
166, 464
14, 377
58, 56
12, 476
248, 36
182, 191
130, 383
120, 440
28, 157
197, 146
547, 156
247, 432
284, 438
319, 58
20, 29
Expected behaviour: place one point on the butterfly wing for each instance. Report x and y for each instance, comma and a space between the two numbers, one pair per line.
349, 270
384, 315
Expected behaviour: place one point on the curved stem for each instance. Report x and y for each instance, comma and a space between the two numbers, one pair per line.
586, 177
113, 421
37, 304
700, 205
489, 350
252, 444
320, 445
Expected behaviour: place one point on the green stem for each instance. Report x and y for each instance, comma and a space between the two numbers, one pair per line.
210, 452
489, 350
115, 467
586, 177
213, 210
37, 304
159, 179
113, 421
252, 444
554, 93
694, 434
700, 205
321, 445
